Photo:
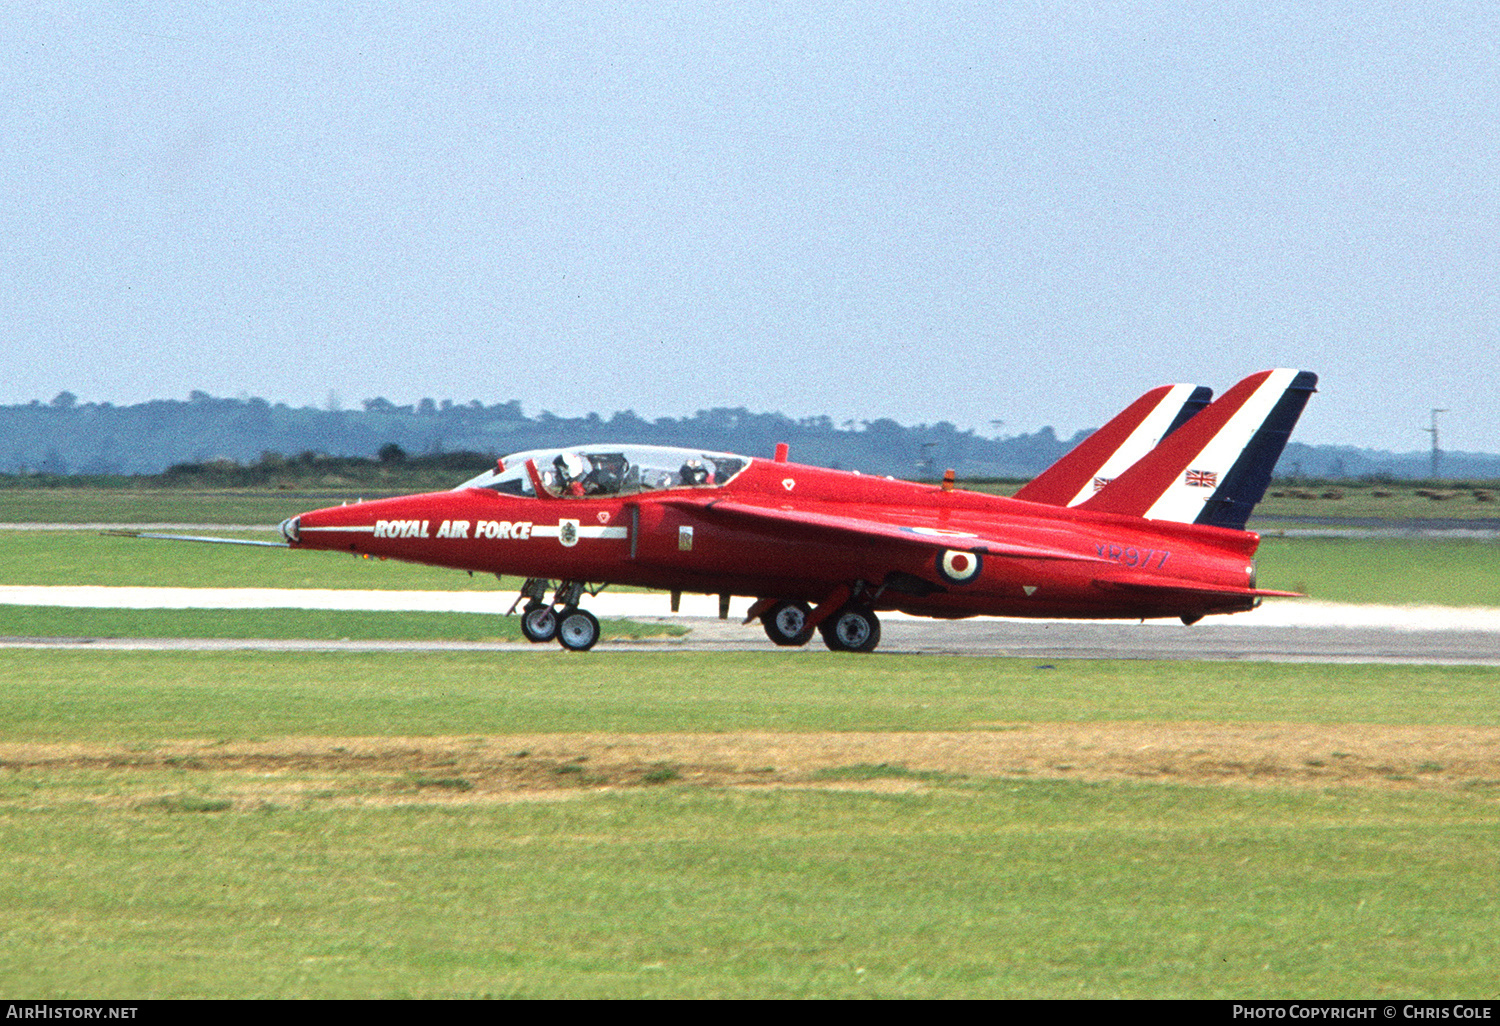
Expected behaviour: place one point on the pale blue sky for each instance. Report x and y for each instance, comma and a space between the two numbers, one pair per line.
1028, 212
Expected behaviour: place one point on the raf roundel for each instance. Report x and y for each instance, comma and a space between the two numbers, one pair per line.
958, 567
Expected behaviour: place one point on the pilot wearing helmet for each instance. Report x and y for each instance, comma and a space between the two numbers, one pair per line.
570, 470
693, 472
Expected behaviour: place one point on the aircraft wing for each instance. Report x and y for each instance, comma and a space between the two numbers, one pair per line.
837, 527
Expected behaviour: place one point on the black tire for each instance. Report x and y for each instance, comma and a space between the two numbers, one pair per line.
786, 623
852, 629
577, 630
538, 624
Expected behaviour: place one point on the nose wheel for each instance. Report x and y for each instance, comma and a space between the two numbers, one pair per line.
538, 624
576, 630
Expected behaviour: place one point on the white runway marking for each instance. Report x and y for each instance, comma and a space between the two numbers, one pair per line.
1284, 613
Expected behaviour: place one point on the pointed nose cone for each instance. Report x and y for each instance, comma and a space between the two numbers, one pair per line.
329, 528
397, 526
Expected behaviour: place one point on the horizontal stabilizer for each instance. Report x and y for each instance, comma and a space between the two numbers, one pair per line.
1108, 452
1177, 587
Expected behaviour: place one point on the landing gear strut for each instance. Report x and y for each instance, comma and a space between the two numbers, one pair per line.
851, 627
575, 629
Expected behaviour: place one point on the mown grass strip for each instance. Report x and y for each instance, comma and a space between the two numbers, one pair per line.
145, 696
305, 624
87, 558
167, 881
866, 771
1010, 889
1383, 570
161, 505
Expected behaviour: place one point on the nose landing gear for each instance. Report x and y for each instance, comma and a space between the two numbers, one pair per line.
538, 623
577, 630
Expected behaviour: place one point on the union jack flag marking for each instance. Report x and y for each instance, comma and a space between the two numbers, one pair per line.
1100, 482
1202, 479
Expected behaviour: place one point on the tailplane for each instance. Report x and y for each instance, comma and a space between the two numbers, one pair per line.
1108, 452
1217, 467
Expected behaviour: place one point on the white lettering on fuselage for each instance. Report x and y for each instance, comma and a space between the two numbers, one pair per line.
402, 529
517, 529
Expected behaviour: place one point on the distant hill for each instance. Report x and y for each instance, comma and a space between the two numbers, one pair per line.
1334, 462
68, 437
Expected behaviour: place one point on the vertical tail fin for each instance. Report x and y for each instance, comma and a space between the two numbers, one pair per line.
1216, 468
1106, 453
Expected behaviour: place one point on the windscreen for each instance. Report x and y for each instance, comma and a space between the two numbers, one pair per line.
604, 470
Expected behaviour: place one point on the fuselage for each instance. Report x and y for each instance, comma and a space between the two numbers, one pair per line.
733, 525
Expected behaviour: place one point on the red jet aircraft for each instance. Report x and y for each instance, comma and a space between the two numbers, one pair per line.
1156, 529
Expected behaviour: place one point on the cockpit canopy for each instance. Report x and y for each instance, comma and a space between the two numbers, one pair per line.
589, 471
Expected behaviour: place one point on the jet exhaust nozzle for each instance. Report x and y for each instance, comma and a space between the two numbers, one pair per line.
291, 529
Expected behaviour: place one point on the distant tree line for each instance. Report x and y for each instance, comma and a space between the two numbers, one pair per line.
391, 471
68, 437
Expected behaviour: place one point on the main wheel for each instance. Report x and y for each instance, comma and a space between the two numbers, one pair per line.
577, 630
539, 623
852, 629
786, 623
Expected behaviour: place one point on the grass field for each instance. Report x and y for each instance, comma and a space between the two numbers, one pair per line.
764, 824
307, 624
144, 697
88, 558
1399, 571
310, 844
161, 505
1388, 502
1460, 573
989, 889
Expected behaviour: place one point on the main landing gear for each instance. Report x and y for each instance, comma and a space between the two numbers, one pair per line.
851, 627
577, 630
788, 623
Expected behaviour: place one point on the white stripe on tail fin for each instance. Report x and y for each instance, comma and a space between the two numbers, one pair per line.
1216, 468
1106, 453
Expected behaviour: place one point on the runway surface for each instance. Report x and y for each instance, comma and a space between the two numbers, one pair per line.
1283, 631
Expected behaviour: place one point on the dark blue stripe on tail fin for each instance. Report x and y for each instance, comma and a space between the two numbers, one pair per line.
1246, 482
1201, 397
